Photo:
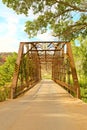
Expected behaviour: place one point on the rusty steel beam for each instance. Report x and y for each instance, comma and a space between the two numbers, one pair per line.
45, 42
63, 74
17, 67
70, 87
46, 50
73, 69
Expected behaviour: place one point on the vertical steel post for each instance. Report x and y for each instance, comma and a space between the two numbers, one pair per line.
74, 74
17, 67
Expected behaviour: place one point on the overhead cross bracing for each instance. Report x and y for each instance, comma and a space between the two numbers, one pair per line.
32, 55
45, 49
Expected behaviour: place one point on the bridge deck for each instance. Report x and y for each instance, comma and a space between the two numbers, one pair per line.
45, 107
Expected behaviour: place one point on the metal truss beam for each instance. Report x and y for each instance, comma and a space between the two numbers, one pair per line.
28, 66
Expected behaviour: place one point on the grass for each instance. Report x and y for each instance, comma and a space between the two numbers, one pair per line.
4, 93
83, 94
83, 89
46, 76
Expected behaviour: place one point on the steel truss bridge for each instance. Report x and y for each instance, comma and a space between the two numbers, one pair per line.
31, 56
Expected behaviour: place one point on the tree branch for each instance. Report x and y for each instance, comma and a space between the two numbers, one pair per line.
72, 6
71, 29
78, 24
63, 12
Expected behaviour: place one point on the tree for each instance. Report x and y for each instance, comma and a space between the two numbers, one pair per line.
57, 15
7, 69
83, 50
80, 56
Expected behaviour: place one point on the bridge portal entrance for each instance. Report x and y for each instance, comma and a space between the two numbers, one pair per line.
37, 60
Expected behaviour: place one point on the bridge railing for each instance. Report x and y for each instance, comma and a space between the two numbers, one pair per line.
63, 69
27, 70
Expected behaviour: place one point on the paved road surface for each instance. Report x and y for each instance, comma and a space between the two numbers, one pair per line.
45, 107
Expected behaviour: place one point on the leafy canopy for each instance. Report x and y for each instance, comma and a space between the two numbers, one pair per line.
57, 15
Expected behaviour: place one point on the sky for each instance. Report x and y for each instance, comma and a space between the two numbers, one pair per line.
12, 30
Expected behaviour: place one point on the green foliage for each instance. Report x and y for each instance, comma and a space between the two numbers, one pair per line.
80, 56
6, 74
7, 69
83, 88
58, 15
4, 93
84, 55
80, 53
